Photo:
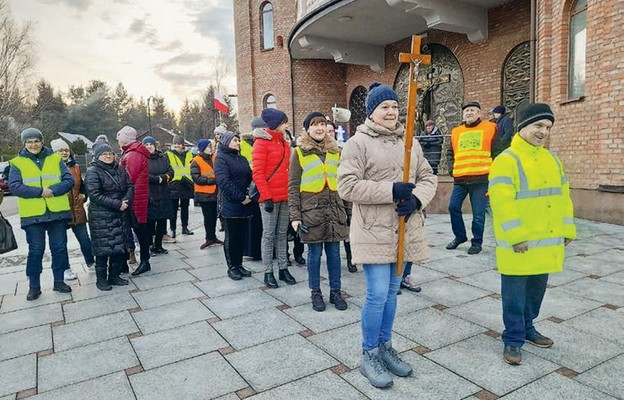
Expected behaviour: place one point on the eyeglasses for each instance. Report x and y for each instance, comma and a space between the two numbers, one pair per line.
107, 154
62, 151
32, 141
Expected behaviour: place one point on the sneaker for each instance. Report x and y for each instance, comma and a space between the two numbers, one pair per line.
168, 239
455, 243
335, 298
474, 249
317, 300
512, 355
374, 369
392, 360
69, 275
409, 284
539, 340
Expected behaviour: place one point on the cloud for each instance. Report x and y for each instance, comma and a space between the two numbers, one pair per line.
217, 22
80, 5
185, 59
181, 71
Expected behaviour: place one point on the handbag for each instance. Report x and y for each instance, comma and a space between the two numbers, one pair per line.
7, 237
253, 192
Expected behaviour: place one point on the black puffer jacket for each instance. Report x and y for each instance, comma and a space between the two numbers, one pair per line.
200, 179
183, 188
233, 178
107, 185
160, 174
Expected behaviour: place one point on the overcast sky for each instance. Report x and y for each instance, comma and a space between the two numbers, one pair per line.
161, 47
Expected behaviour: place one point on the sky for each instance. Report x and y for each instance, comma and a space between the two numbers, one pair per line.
154, 47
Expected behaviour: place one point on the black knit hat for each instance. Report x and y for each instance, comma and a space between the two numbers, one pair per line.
526, 114
471, 104
310, 117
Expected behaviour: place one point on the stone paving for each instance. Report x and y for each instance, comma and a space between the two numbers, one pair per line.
186, 331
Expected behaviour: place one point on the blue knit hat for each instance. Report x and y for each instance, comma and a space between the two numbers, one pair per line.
273, 117
202, 144
377, 94
227, 137
149, 139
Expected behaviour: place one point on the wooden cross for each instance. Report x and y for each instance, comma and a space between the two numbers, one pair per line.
414, 58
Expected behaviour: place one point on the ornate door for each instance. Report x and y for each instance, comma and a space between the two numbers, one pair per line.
516, 78
357, 106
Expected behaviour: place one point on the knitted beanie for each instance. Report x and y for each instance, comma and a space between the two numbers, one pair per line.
430, 123
526, 114
258, 122
127, 134
99, 148
31, 133
178, 139
202, 144
58, 144
227, 137
101, 138
310, 117
221, 129
273, 117
471, 104
499, 110
149, 139
377, 94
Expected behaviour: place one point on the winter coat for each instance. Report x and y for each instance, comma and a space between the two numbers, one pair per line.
324, 213
233, 178
432, 146
135, 159
372, 161
76, 200
111, 230
200, 179
160, 174
504, 134
184, 188
269, 149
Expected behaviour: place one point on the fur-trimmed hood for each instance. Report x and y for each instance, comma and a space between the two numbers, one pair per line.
261, 133
328, 145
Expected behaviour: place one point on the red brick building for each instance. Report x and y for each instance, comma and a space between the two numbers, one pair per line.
308, 55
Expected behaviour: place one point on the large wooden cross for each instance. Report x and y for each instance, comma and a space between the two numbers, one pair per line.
414, 58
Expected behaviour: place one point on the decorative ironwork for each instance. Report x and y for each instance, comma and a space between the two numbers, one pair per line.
516, 77
357, 106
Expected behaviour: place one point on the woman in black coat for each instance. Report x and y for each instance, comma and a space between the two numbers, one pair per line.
233, 178
159, 205
111, 193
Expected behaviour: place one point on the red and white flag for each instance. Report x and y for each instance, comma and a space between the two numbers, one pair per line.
219, 103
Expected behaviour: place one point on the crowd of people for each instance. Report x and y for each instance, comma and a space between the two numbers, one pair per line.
267, 186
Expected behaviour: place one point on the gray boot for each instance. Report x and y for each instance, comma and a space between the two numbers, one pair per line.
374, 369
392, 360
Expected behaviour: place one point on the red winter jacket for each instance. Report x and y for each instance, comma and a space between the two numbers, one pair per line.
268, 149
135, 160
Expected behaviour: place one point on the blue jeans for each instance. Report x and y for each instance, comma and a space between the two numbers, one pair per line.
35, 236
82, 235
382, 285
478, 203
408, 269
522, 299
332, 251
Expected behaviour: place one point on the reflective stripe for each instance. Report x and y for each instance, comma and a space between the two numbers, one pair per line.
51, 177
30, 180
514, 223
564, 180
568, 220
315, 163
534, 243
530, 194
524, 185
312, 178
500, 180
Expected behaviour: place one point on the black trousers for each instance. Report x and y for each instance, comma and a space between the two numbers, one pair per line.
183, 204
209, 209
157, 229
253, 245
234, 245
116, 261
298, 247
143, 233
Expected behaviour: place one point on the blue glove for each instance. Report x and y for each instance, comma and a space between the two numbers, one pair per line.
407, 207
402, 190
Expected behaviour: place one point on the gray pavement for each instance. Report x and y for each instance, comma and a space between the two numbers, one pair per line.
186, 331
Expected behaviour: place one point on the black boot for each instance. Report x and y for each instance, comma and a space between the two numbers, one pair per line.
335, 298
102, 283
113, 276
244, 272
234, 274
61, 287
124, 267
317, 300
143, 267
350, 267
33, 294
284, 275
269, 280
185, 231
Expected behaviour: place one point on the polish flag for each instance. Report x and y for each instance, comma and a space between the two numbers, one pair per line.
219, 103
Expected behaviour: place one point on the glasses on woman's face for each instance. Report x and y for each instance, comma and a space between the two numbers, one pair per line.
108, 154
62, 151
32, 142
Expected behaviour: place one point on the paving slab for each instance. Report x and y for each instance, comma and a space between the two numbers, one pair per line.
151, 280
450, 292
606, 377
93, 330
554, 387
601, 322
242, 331
18, 374
293, 295
237, 304
331, 318
113, 386
598, 290
26, 341
602, 264
85, 363
324, 385
566, 276
28, 318
224, 286
202, 377
428, 381
272, 364
480, 360
87, 292
177, 344
486, 280
166, 295
171, 316
98, 306
19, 302
615, 278
407, 302
565, 305
486, 312
207, 273
461, 264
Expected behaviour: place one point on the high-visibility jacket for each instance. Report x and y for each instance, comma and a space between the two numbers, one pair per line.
180, 170
245, 151
530, 199
205, 169
48, 175
316, 173
472, 149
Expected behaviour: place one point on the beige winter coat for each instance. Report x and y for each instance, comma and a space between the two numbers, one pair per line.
372, 161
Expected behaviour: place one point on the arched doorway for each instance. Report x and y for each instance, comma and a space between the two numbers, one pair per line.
357, 106
516, 78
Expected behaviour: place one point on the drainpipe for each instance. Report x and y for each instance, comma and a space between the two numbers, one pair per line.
532, 50
292, 93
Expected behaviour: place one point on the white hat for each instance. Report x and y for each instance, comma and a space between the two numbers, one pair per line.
58, 144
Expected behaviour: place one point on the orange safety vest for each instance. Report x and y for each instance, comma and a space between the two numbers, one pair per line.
472, 149
205, 169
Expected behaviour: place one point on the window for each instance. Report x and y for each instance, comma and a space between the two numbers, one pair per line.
266, 26
578, 38
269, 101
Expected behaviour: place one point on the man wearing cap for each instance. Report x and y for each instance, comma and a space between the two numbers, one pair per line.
469, 158
533, 218
504, 131
41, 181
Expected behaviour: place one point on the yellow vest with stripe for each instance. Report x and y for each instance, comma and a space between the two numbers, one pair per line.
245, 149
316, 174
180, 170
530, 199
472, 149
48, 175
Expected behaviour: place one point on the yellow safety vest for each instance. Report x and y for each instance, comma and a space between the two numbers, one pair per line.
246, 149
316, 174
180, 170
48, 175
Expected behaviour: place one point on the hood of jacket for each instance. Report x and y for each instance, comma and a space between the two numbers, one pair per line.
328, 145
261, 133
372, 129
138, 147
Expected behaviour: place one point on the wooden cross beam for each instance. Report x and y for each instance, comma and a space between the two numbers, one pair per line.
414, 58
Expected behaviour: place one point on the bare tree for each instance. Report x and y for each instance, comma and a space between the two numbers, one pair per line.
220, 68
